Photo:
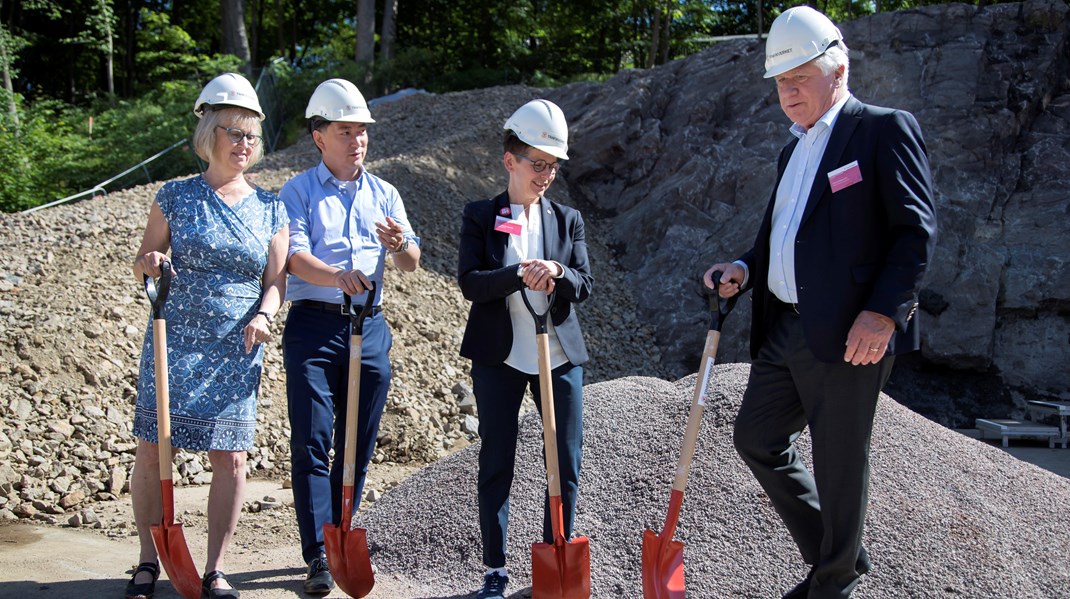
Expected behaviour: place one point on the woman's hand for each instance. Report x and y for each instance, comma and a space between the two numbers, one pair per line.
257, 331
538, 275
149, 264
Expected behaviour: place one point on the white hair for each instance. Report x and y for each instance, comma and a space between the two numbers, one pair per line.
834, 58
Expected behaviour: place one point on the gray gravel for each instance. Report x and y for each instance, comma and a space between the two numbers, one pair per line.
949, 516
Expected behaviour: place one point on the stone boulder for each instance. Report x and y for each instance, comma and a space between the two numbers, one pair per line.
679, 162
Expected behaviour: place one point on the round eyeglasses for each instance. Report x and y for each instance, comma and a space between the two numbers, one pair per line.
540, 165
236, 135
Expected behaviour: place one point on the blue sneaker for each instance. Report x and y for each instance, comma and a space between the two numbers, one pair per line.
493, 587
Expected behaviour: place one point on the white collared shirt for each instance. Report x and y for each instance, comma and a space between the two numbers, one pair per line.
790, 202
528, 245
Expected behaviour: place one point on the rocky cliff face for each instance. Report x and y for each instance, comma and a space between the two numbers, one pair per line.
680, 161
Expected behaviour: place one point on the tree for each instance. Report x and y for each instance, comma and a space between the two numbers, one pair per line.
366, 31
232, 20
389, 31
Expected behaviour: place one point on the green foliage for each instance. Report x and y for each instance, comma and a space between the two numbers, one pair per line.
53, 155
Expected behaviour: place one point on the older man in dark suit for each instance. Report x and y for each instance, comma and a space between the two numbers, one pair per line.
835, 269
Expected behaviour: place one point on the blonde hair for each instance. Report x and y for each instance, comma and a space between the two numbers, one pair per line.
204, 135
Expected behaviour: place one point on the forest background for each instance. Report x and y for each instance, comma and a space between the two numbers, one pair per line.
94, 87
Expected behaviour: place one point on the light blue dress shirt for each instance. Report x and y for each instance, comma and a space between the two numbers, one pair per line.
335, 221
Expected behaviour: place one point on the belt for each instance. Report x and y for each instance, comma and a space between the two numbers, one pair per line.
339, 309
787, 306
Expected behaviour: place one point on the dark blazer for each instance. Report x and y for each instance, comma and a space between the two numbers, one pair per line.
865, 247
486, 281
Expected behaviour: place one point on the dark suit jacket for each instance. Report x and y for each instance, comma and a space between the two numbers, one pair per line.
865, 247
486, 281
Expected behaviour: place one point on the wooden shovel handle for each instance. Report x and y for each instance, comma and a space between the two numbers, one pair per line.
698, 406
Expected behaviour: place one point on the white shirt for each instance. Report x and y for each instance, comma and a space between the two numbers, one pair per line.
528, 245
791, 198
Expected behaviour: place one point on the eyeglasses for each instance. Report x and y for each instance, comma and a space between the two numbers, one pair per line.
540, 165
236, 135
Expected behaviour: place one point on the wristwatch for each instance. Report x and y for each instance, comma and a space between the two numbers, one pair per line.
401, 248
270, 317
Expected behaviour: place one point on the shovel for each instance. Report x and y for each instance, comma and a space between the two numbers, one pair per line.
663, 558
347, 547
561, 570
170, 541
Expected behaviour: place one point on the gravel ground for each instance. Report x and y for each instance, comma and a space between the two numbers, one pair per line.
949, 516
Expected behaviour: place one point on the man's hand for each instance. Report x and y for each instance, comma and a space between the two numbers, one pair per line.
867, 341
353, 282
731, 278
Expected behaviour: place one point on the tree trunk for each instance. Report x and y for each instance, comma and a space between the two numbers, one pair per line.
761, 18
390, 29
655, 30
366, 31
254, 34
666, 34
12, 110
109, 66
235, 42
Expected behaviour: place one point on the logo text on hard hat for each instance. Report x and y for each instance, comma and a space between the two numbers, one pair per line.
775, 54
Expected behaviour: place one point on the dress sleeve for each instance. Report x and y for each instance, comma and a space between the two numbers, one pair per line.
165, 199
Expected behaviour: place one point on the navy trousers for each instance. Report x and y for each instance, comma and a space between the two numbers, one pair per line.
499, 391
315, 347
789, 389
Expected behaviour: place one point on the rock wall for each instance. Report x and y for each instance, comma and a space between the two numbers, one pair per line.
680, 161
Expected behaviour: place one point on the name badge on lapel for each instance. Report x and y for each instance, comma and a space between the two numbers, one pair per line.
845, 176
505, 225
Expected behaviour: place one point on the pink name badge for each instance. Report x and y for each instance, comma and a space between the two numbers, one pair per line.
845, 176
505, 225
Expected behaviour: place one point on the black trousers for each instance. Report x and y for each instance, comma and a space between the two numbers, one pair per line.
789, 389
499, 391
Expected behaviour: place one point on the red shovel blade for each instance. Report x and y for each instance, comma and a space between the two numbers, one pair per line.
175, 558
348, 559
561, 571
663, 567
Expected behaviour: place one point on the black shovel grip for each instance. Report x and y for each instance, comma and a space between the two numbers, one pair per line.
719, 306
157, 290
357, 314
540, 319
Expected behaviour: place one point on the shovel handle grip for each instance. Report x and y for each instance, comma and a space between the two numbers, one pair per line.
157, 290
720, 307
543, 318
358, 313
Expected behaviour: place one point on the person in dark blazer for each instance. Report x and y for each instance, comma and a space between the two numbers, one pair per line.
522, 242
835, 272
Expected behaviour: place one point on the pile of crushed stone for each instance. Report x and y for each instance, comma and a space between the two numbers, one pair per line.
948, 516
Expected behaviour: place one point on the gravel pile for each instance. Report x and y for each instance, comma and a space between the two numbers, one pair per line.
72, 319
949, 516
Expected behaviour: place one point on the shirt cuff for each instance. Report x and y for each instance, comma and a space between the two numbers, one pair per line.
746, 273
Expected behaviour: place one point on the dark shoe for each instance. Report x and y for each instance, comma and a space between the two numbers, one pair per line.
493, 587
319, 580
802, 590
208, 591
143, 590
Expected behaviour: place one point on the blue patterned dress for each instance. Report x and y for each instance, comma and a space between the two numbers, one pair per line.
219, 253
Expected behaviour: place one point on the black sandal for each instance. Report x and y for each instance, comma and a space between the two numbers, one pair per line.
208, 591
143, 590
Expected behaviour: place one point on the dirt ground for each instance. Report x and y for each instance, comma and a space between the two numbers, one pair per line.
76, 563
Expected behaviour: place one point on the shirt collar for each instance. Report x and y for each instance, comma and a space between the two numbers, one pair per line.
826, 121
323, 174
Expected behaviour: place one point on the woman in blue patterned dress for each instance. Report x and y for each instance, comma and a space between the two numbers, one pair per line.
228, 244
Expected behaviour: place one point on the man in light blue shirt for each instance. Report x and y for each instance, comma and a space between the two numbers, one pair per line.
343, 223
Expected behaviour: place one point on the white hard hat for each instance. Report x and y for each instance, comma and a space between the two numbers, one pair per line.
799, 35
228, 89
338, 100
541, 125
